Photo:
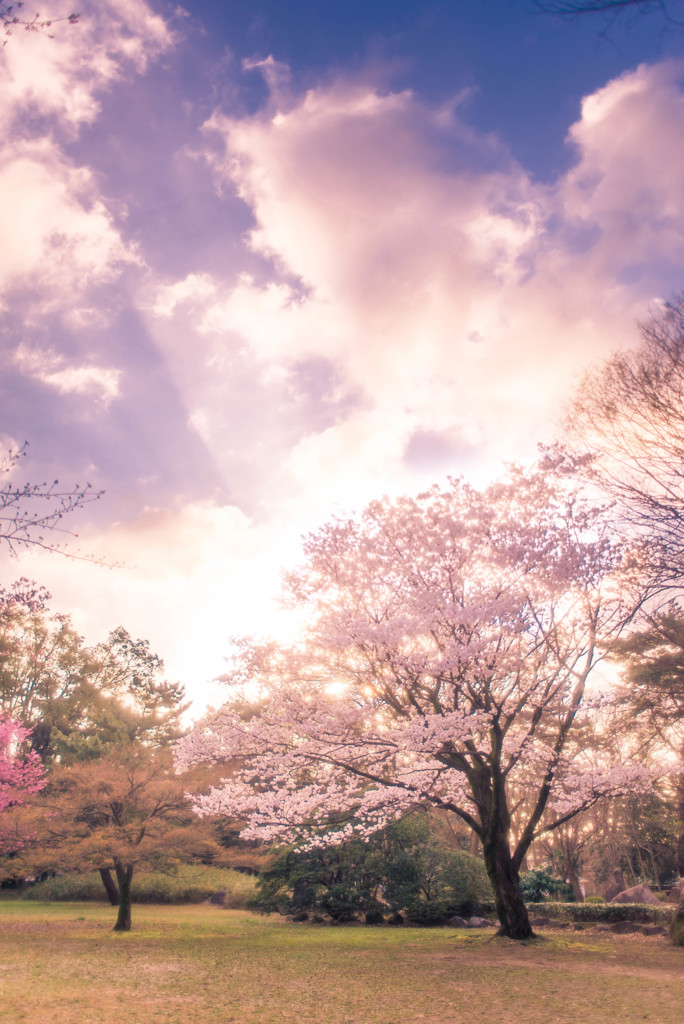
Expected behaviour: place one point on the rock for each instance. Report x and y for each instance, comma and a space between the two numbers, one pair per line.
625, 927
651, 929
218, 899
541, 922
637, 894
480, 922
601, 926
457, 922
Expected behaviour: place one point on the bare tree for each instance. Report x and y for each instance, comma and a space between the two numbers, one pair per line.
630, 413
32, 515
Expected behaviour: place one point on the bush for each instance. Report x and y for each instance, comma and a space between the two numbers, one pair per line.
188, 883
429, 884
594, 899
402, 870
334, 880
536, 885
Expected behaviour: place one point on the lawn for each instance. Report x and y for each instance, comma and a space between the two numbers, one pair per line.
62, 964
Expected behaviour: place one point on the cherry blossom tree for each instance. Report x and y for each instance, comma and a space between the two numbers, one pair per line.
19, 776
450, 643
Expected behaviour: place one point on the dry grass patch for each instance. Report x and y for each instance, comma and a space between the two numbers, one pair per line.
62, 964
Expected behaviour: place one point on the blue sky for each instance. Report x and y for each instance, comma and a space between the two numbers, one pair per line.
526, 70
262, 263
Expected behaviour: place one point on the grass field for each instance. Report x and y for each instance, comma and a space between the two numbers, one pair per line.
62, 964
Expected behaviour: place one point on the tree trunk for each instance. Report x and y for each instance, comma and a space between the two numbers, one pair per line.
573, 879
110, 886
677, 927
124, 876
510, 905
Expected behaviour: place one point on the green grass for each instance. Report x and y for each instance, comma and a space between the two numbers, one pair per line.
62, 964
189, 883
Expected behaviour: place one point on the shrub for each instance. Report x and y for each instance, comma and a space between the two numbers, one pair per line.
333, 880
594, 899
540, 883
430, 884
189, 883
418, 877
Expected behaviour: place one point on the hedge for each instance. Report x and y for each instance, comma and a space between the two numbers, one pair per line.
608, 913
187, 884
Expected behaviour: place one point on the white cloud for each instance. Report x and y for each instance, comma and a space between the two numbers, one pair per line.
405, 258
56, 234
62, 76
192, 288
52, 369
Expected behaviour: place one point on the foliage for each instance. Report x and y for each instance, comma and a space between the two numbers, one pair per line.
539, 883
402, 869
185, 883
20, 775
451, 640
125, 811
79, 701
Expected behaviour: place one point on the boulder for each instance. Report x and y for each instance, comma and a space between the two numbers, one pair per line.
651, 929
480, 922
637, 894
457, 922
601, 926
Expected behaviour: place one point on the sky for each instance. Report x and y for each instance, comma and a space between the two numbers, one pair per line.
262, 263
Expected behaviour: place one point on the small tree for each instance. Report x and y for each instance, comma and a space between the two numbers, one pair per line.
124, 811
451, 640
